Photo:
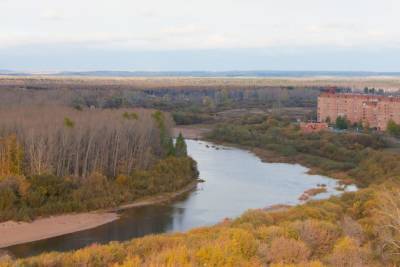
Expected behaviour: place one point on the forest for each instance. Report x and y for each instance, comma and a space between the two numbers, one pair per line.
355, 229
97, 147
59, 159
188, 100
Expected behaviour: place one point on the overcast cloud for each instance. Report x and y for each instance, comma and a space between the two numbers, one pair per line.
271, 28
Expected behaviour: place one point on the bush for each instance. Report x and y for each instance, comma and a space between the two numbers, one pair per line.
186, 118
341, 123
284, 250
267, 234
254, 217
303, 264
318, 235
347, 253
231, 248
393, 128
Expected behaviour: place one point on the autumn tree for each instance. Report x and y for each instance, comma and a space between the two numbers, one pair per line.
388, 222
11, 156
347, 252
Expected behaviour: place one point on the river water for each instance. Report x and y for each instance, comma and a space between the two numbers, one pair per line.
235, 181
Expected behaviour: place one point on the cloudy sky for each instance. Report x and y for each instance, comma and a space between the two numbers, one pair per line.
52, 35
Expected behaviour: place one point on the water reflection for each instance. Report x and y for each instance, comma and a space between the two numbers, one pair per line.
236, 180
133, 223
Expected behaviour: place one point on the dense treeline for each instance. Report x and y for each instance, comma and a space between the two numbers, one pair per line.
180, 95
210, 99
56, 160
343, 155
24, 198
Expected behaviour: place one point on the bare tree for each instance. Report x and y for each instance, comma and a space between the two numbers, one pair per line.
67, 142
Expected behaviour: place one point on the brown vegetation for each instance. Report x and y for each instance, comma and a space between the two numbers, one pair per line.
356, 229
64, 141
185, 96
163, 82
58, 160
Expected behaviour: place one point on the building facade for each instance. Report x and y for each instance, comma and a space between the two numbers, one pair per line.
372, 110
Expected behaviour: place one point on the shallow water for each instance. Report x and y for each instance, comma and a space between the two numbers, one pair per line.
236, 180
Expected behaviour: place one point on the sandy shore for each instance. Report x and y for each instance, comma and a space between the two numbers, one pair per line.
14, 233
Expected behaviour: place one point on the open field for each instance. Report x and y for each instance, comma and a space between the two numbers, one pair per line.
46, 82
53, 82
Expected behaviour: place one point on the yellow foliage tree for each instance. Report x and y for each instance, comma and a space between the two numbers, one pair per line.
130, 262
287, 251
11, 157
347, 253
174, 257
305, 264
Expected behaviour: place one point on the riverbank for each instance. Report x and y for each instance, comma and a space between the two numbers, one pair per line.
158, 198
275, 157
197, 131
14, 233
269, 156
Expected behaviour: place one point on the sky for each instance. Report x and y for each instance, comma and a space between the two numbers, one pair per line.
54, 35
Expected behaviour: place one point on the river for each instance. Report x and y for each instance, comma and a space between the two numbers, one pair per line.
235, 181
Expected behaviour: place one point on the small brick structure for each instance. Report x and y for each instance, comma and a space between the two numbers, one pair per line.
313, 127
369, 109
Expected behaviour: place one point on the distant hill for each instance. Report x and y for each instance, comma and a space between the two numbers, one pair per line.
12, 73
226, 73
266, 74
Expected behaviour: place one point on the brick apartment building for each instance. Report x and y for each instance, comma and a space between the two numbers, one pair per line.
374, 110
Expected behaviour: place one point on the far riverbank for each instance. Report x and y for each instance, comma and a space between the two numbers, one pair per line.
197, 131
